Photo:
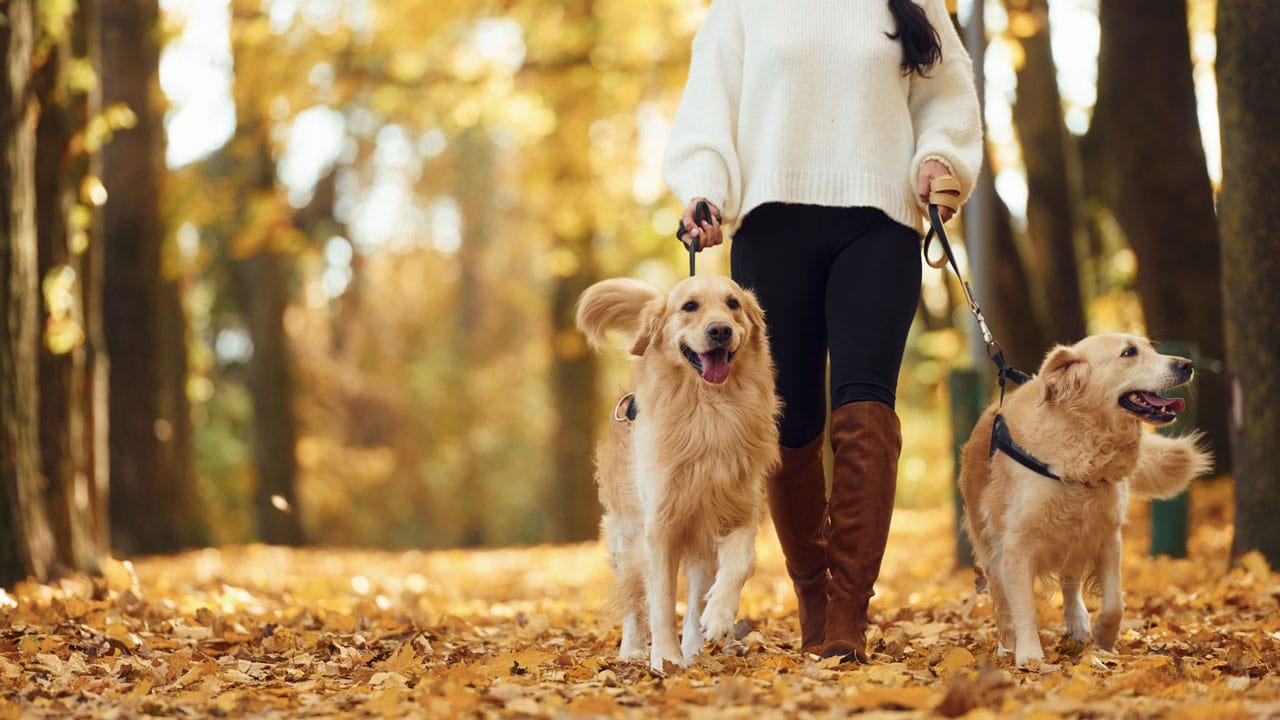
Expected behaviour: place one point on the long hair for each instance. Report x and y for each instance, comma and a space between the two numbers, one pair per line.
921, 46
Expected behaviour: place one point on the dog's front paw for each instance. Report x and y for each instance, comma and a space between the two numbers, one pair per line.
1106, 630
1078, 625
1023, 657
662, 661
690, 645
716, 622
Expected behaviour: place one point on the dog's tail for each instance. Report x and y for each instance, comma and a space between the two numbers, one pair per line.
1166, 465
613, 305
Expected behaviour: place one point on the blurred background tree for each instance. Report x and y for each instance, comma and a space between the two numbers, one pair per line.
332, 249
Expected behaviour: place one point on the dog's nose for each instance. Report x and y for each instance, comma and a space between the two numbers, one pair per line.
719, 333
1183, 366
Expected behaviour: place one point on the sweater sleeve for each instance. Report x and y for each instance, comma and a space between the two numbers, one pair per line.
944, 108
701, 158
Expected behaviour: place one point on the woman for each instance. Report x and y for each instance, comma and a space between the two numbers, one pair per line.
818, 127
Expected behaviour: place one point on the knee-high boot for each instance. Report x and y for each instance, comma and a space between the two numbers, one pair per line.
866, 439
798, 504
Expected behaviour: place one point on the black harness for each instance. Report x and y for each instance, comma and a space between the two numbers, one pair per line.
1002, 441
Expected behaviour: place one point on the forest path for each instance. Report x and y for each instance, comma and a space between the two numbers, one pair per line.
274, 632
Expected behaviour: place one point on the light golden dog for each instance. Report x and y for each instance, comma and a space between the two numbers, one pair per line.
684, 481
1083, 416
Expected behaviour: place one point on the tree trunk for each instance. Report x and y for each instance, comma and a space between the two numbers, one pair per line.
1249, 113
63, 358
1051, 199
26, 543
575, 508
151, 464
476, 179
1155, 181
261, 281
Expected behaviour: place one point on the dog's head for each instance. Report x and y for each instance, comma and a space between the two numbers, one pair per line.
1116, 372
702, 324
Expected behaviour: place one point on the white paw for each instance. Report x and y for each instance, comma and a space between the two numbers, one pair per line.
1034, 653
658, 661
632, 655
717, 622
690, 645
1078, 628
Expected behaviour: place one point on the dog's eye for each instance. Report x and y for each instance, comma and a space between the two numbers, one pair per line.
734, 304
690, 306
1130, 351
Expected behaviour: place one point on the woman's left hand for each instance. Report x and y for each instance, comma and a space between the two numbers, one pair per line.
930, 170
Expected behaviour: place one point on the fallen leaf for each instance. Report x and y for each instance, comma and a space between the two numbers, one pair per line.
955, 659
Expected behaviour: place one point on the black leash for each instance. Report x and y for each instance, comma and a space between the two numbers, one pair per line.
1001, 438
701, 214
626, 409
995, 353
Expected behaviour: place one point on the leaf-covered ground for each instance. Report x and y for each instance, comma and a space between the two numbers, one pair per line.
271, 632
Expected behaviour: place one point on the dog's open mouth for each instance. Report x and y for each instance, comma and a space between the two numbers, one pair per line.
1151, 407
713, 365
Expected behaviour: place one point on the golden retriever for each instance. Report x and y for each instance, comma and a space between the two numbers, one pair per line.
684, 481
1083, 416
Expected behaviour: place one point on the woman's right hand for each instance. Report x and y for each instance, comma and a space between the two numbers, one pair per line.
708, 233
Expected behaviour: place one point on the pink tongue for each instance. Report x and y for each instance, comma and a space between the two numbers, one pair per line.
715, 366
1177, 405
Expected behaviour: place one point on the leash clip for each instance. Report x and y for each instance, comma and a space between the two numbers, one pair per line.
977, 314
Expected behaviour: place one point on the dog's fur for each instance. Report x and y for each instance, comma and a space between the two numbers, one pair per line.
684, 482
1026, 526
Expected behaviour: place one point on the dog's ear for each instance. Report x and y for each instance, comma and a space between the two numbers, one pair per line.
755, 315
650, 331
1064, 373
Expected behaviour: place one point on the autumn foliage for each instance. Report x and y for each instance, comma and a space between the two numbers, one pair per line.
274, 632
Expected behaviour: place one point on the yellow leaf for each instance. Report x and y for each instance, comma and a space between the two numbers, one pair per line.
509, 664
1076, 690
1256, 564
9, 710
142, 688
403, 662
121, 634
74, 607
910, 698
119, 575
601, 705
388, 703
954, 659
1211, 711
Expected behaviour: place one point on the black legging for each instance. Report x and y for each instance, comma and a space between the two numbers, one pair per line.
843, 280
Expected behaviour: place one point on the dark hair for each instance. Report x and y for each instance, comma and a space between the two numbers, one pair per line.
921, 46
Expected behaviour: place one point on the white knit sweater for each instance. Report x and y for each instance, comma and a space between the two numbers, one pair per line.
804, 101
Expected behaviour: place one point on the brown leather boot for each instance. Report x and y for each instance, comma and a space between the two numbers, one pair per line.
866, 439
798, 503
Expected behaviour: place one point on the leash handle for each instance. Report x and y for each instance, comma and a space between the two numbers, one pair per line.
701, 214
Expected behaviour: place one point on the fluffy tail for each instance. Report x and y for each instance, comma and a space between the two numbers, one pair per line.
1166, 465
612, 305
